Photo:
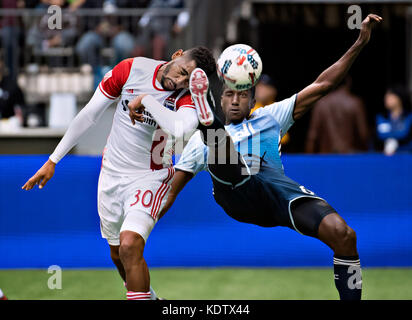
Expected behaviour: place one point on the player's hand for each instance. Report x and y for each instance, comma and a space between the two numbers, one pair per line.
41, 177
136, 109
367, 25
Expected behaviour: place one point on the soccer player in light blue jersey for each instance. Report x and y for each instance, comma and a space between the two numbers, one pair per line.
243, 159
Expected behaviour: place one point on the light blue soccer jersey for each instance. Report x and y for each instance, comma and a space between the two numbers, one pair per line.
257, 139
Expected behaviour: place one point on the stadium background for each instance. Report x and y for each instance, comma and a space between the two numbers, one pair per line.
59, 225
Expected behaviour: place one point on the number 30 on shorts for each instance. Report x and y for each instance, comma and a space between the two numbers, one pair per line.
146, 198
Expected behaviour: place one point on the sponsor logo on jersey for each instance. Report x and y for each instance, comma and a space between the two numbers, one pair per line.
171, 100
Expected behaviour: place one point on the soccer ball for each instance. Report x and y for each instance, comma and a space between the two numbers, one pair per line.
239, 67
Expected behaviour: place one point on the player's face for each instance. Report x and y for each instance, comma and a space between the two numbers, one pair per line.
236, 105
177, 72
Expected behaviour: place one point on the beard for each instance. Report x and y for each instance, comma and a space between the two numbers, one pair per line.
166, 82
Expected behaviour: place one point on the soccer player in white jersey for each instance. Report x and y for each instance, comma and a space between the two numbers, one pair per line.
254, 188
136, 170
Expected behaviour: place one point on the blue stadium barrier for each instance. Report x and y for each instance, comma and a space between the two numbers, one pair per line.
59, 225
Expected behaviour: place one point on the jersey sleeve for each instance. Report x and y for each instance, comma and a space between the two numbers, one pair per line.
114, 80
185, 101
83, 121
282, 112
194, 156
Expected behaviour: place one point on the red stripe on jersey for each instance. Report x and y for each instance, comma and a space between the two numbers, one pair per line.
114, 80
185, 100
155, 75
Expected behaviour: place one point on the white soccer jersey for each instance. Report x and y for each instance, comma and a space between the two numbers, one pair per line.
131, 148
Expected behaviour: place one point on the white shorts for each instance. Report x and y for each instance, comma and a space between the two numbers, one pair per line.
131, 203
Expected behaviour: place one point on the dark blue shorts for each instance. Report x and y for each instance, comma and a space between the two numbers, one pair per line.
265, 199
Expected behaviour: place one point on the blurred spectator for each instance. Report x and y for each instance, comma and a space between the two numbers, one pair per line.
108, 31
157, 30
265, 93
11, 97
43, 39
10, 34
338, 123
395, 127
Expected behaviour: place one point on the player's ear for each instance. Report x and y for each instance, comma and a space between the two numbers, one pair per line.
177, 54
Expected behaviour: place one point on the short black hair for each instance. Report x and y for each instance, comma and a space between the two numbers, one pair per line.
204, 59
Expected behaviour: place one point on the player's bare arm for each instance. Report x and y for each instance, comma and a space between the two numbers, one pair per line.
333, 75
44, 174
180, 179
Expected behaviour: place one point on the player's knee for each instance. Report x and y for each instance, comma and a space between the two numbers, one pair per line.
345, 236
131, 247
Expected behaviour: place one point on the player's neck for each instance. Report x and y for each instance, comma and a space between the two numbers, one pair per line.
237, 121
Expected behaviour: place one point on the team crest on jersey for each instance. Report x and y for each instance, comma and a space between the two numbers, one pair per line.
171, 100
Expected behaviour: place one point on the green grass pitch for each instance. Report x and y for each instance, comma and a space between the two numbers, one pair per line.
208, 284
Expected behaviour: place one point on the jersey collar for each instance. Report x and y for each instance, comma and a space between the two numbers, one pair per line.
155, 75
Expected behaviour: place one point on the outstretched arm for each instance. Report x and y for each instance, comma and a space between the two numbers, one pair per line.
86, 119
333, 75
180, 179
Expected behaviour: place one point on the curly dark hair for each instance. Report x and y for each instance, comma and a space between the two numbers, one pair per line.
204, 59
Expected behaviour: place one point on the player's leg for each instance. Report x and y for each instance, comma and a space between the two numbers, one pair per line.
144, 196
111, 217
136, 271
224, 162
110, 213
341, 238
114, 254
316, 218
